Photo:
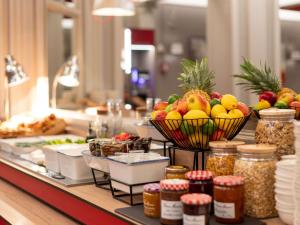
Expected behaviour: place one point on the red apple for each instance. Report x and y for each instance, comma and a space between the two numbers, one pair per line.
243, 108
295, 105
216, 95
269, 96
180, 106
160, 115
160, 106
178, 135
217, 135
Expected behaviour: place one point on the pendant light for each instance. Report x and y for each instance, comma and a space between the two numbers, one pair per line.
113, 8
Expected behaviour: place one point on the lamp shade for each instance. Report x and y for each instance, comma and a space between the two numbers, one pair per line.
14, 72
113, 8
68, 74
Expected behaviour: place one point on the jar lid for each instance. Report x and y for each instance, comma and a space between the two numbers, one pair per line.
229, 180
257, 148
174, 184
196, 199
225, 144
199, 175
177, 169
277, 112
153, 187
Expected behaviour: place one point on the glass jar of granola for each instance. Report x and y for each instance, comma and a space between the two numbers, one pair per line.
257, 164
221, 160
276, 127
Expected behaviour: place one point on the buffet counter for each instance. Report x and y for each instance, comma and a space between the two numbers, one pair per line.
86, 204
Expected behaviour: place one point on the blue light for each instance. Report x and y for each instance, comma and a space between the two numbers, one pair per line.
142, 81
134, 75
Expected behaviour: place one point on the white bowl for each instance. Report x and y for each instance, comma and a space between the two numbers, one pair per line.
286, 175
286, 217
283, 186
285, 205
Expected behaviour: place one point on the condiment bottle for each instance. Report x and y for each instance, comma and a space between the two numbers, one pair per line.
229, 199
151, 199
276, 127
196, 209
171, 207
257, 164
176, 172
221, 160
201, 181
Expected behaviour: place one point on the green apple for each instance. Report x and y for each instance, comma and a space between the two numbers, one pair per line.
172, 98
187, 129
169, 108
209, 128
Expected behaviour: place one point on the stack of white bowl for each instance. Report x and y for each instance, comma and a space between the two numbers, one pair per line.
284, 188
297, 179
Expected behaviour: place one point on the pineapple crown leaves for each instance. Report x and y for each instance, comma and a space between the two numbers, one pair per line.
196, 75
256, 79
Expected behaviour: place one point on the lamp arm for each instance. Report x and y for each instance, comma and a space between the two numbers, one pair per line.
54, 89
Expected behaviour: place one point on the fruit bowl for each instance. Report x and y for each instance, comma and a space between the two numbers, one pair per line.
195, 134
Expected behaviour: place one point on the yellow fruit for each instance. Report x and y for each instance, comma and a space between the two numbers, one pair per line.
153, 115
198, 139
236, 113
223, 120
216, 110
196, 117
263, 104
175, 120
284, 91
297, 97
229, 102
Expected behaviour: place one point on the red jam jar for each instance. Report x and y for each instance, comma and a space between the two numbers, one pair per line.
200, 181
229, 199
170, 204
196, 209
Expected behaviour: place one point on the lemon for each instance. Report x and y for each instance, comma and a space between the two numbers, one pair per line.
196, 117
174, 120
263, 104
236, 113
223, 120
216, 110
229, 102
198, 140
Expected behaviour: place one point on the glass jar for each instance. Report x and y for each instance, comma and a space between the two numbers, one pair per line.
196, 209
276, 127
171, 207
176, 172
257, 164
151, 199
221, 160
229, 199
201, 181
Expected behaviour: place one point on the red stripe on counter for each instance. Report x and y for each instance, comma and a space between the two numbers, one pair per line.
69, 204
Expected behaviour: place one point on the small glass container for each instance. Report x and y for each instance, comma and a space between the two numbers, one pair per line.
171, 207
201, 181
221, 160
196, 209
276, 127
176, 172
151, 199
257, 164
229, 199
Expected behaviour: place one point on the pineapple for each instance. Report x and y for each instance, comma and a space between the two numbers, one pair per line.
196, 78
258, 79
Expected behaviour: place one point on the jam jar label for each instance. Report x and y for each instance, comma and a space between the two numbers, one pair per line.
193, 220
224, 210
171, 210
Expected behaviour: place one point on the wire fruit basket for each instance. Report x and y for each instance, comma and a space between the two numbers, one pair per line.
195, 134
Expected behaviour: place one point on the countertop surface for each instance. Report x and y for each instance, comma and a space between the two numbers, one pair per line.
90, 193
